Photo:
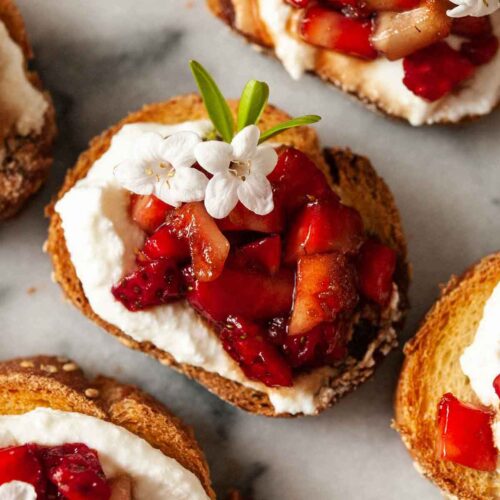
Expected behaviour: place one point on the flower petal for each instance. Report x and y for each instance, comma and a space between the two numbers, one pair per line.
165, 193
188, 184
178, 149
256, 194
148, 147
214, 156
265, 160
245, 143
132, 175
221, 195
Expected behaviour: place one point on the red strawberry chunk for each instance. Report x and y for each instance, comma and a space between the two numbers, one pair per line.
21, 463
76, 472
480, 50
300, 4
242, 219
375, 5
496, 385
209, 248
297, 180
472, 27
259, 359
164, 244
322, 227
332, 30
325, 286
148, 212
435, 71
263, 255
377, 264
465, 434
241, 292
153, 283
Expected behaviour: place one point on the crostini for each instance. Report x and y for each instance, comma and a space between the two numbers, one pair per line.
63, 435
447, 402
420, 60
280, 279
27, 125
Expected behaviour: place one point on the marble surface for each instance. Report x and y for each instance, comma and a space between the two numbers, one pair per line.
103, 59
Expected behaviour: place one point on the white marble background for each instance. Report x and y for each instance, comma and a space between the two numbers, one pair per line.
103, 59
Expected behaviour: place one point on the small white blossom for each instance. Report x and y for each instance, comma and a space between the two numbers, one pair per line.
163, 167
240, 171
17, 490
476, 8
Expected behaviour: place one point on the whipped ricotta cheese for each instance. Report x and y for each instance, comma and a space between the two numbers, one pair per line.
102, 240
22, 105
17, 490
381, 80
154, 475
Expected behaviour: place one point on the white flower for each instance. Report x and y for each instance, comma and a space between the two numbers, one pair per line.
162, 166
240, 171
17, 490
476, 8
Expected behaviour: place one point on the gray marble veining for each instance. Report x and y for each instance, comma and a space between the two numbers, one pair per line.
104, 59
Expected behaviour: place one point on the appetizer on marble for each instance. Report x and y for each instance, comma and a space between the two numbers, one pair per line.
447, 403
65, 436
27, 119
274, 273
420, 60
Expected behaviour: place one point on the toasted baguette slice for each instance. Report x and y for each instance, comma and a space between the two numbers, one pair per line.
364, 79
432, 368
58, 383
25, 160
352, 175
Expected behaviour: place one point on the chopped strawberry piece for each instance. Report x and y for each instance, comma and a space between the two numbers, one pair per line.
472, 27
76, 472
377, 264
153, 283
465, 434
300, 4
375, 5
244, 293
245, 342
148, 212
263, 254
21, 463
242, 219
435, 71
164, 244
325, 286
297, 180
496, 385
332, 30
480, 50
209, 248
322, 227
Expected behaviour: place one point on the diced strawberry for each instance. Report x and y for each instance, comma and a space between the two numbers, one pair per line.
480, 50
297, 180
375, 5
322, 227
435, 71
263, 254
209, 248
300, 4
325, 286
376, 267
153, 283
244, 293
163, 244
76, 472
148, 212
496, 385
245, 342
472, 27
242, 219
21, 463
332, 30
465, 434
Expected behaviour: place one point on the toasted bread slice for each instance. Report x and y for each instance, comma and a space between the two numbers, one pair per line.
352, 175
25, 159
432, 368
59, 384
365, 80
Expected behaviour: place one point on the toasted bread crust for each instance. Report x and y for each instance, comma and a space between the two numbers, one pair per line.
343, 72
345, 175
58, 383
432, 368
26, 160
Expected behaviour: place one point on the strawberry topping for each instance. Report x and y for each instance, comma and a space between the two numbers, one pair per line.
472, 27
263, 254
480, 50
496, 385
465, 434
164, 244
148, 212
